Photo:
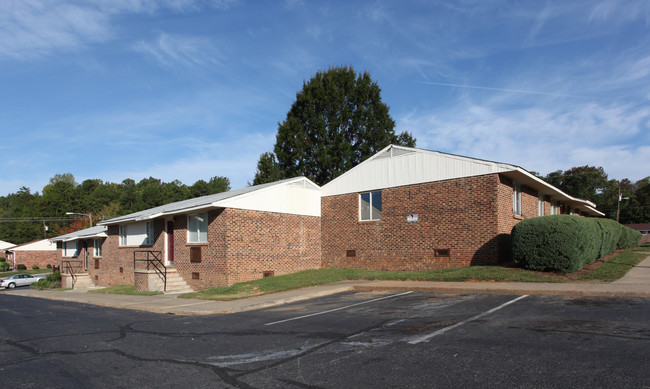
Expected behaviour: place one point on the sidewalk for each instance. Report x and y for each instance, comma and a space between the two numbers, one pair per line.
636, 283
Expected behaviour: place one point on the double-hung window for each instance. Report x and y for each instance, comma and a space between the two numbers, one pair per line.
554, 208
197, 228
540, 205
370, 206
97, 247
516, 199
71, 249
137, 234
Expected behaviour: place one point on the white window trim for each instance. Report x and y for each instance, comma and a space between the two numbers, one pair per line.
540, 205
553, 207
516, 199
67, 251
371, 218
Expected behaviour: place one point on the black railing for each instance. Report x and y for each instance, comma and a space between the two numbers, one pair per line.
72, 268
154, 262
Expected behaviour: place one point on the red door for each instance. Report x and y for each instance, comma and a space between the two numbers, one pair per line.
170, 242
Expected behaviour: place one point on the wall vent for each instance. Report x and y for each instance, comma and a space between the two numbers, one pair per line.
195, 254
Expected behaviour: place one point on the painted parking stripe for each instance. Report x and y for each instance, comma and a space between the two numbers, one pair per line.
338, 309
427, 337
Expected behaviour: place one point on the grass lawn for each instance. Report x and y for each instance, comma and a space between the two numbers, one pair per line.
609, 271
325, 276
123, 289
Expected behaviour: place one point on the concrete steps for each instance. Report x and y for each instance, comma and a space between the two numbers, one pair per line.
83, 281
175, 283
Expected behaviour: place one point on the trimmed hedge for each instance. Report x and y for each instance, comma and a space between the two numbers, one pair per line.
565, 243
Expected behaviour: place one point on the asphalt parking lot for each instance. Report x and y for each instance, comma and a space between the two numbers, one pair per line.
352, 339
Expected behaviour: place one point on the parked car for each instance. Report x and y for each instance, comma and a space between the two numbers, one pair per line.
20, 280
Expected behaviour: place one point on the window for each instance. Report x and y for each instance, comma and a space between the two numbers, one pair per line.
554, 208
123, 236
540, 205
370, 206
516, 199
97, 247
137, 234
71, 249
149, 238
197, 228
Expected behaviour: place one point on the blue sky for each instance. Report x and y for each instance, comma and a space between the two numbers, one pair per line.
187, 90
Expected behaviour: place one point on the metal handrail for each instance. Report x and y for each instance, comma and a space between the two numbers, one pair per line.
154, 261
68, 265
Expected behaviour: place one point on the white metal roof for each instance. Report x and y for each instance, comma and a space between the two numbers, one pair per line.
297, 195
88, 233
399, 166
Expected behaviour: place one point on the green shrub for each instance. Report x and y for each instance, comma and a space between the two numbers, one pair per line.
565, 243
49, 266
549, 243
629, 238
610, 235
21, 267
35, 267
4, 266
51, 281
2, 259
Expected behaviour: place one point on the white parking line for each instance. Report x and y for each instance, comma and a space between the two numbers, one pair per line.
425, 338
338, 309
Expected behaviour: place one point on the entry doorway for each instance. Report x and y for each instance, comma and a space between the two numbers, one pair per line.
170, 243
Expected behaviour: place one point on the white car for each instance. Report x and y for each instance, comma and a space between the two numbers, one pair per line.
20, 280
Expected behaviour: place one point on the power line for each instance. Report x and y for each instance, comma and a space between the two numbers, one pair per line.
35, 219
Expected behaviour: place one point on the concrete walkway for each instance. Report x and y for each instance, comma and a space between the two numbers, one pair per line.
636, 283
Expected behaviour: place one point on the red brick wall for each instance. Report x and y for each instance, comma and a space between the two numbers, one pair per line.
243, 244
459, 215
212, 268
30, 258
115, 257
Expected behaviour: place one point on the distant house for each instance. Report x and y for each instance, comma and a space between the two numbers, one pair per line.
401, 209
643, 228
40, 253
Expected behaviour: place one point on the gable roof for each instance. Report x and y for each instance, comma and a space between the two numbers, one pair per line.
37, 245
396, 166
88, 233
5, 245
296, 195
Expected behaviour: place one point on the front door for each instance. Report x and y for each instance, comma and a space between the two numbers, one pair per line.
170, 243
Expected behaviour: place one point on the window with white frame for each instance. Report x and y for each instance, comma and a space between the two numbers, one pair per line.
540, 205
516, 199
70, 249
554, 208
97, 247
197, 228
137, 234
370, 206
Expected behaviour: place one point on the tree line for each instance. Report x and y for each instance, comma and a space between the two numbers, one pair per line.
27, 216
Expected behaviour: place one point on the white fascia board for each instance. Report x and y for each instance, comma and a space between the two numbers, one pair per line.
558, 194
148, 217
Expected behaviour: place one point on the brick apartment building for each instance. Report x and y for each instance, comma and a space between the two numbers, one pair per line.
401, 209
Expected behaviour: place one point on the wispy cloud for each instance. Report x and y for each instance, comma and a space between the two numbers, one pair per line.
543, 139
176, 51
31, 29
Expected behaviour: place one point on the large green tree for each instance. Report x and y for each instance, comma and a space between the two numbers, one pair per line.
337, 121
